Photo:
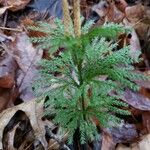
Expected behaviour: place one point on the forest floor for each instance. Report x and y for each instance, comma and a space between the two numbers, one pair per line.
22, 125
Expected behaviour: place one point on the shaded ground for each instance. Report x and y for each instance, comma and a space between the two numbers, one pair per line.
21, 123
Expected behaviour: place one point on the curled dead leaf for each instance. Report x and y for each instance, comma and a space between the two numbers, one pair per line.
107, 142
26, 57
121, 5
34, 112
7, 72
146, 120
136, 100
135, 13
15, 5
3, 9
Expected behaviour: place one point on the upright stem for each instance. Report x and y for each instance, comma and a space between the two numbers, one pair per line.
66, 16
81, 83
77, 20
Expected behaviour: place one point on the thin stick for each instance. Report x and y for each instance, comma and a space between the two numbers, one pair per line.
5, 18
11, 29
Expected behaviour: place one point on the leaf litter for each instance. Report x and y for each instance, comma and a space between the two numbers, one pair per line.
18, 59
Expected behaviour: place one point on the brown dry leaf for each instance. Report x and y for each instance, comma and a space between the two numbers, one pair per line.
28, 139
145, 143
107, 142
4, 37
11, 136
101, 8
125, 133
123, 147
3, 9
146, 120
109, 11
121, 5
15, 5
34, 112
27, 57
133, 41
29, 22
147, 16
135, 13
5, 98
8, 68
138, 16
135, 46
114, 14
136, 100
53, 144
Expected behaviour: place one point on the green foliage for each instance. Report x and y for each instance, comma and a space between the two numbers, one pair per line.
91, 75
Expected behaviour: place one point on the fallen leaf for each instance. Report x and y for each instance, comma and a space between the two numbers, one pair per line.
26, 57
124, 147
135, 47
34, 112
4, 37
121, 5
125, 133
101, 8
107, 142
47, 8
11, 136
114, 14
146, 120
145, 143
136, 100
29, 138
3, 9
53, 144
8, 68
135, 13
147, 16
108, 11
5, 98
15, 5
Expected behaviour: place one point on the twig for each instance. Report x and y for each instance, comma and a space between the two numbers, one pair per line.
11, 29
58, 139
5, 18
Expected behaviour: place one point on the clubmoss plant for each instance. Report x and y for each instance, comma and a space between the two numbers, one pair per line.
91, 75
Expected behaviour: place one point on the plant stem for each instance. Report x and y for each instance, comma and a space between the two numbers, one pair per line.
77, 145
77, 21
81, 83
66, 16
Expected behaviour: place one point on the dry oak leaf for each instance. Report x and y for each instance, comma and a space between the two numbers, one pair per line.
114, 14
144, 144
34, 112
3, 9
146, 120
27, 58
15, 5
136, 100
109, 11
135, 13
121, 5
8, 67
